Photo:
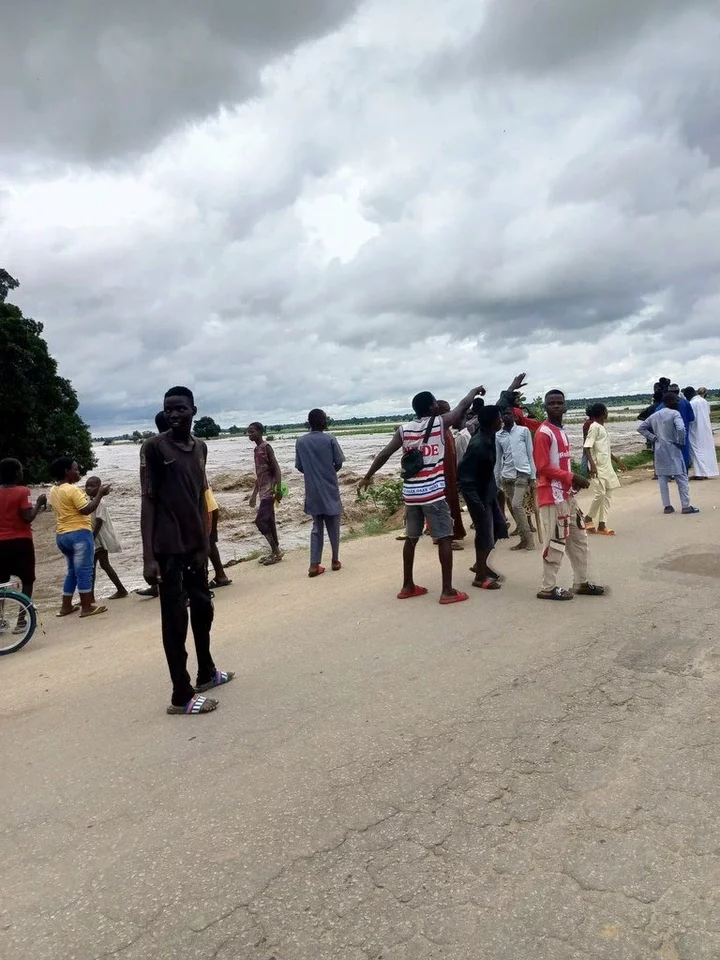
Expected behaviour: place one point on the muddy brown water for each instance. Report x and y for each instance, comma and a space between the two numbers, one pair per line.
230, 471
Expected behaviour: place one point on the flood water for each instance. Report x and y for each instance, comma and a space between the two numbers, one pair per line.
231, 474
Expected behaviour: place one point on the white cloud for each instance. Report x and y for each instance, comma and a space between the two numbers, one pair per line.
396, 210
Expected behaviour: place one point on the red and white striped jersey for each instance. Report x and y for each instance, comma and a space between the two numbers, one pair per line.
428, 486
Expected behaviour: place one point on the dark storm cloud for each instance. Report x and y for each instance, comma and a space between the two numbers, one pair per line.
543, 37
100, 79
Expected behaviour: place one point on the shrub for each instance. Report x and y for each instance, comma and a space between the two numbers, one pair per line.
387, 496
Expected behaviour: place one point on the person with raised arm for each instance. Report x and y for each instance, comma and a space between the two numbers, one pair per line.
423, 444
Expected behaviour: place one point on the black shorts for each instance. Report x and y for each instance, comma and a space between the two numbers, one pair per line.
17, 559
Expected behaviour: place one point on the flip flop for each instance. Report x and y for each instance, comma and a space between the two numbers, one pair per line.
487, 584
221, 677
606, 533
416, 592
458, 598
216, 584
336, 565
316, 573
74, 609
94, 612
197, 704
271, 560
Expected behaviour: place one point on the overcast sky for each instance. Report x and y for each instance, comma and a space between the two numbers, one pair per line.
286, 205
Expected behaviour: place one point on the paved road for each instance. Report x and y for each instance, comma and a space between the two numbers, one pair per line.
504, 779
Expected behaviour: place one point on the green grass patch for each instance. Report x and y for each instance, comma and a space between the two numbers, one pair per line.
248, 557
372, 527
634, 461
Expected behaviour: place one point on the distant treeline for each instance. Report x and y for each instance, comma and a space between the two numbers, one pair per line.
207, 427
212, 429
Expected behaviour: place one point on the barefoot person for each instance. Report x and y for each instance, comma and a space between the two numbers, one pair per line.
268, 487
515, 473
318, 457
423, 444
562, 519
479, 488
17, 552
73, 524
601, 464
175, 549
665, 430
106, 541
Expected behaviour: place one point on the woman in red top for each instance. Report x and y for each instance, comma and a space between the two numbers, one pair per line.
17, 553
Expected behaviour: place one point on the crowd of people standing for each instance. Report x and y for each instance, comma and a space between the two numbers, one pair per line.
493, 457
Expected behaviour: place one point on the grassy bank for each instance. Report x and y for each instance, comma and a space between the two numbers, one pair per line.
387, 498
635, 461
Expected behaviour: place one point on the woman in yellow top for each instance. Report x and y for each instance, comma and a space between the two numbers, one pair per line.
73, 523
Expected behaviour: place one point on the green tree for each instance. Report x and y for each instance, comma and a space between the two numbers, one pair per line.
537, 408
205, 427
38, 409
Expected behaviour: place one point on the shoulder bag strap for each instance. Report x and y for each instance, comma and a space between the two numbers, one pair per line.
429, 430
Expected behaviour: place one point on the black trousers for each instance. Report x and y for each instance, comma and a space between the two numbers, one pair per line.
490, 525
180, 582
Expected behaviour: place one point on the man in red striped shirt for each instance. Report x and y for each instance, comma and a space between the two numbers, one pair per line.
562, 518
424, 492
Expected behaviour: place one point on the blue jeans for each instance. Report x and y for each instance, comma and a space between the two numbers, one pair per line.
78, 548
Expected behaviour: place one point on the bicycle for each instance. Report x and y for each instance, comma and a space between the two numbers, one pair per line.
18, 618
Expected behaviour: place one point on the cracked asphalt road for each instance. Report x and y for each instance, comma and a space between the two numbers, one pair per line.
502, 779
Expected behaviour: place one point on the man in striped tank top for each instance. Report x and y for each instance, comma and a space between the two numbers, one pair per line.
424, 493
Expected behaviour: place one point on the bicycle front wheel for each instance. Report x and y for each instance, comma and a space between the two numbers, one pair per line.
18, 620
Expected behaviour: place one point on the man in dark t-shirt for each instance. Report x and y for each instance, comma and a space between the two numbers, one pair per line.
175, 549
